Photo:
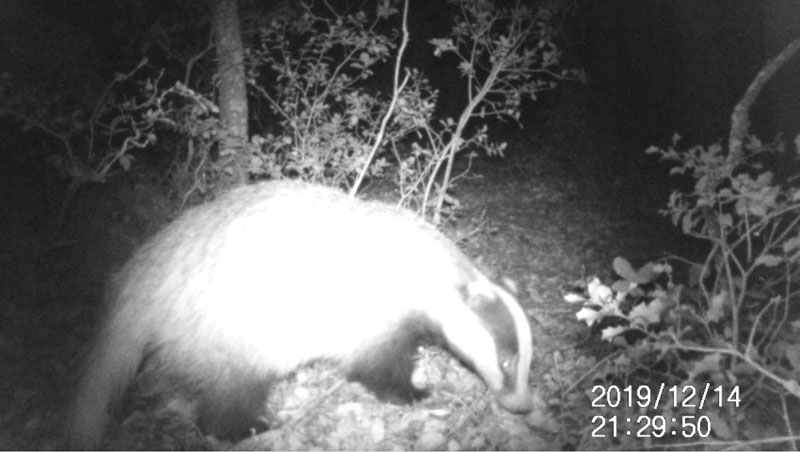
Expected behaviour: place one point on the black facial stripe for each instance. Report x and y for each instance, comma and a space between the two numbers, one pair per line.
510, 370
496, 318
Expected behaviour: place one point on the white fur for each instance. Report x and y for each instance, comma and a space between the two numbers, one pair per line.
273, 274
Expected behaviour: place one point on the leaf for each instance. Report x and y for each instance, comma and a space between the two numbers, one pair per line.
598, 292
125, 161
646, 273
624, 269
441, 46
792, 354
662, 268
587, 315
764, 178
716, 308
757, 209
649, 312
623, 285
622, 360
574, 298
385, 9
791, 244
709, 363
611, 332
769, 260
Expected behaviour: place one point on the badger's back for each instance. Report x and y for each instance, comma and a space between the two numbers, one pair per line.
204, 292
318, 255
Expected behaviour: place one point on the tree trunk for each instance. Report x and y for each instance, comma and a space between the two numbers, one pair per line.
232, 89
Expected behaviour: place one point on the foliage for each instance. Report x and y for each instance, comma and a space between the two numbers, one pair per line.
91, 126
505, 54
316, 69
94, 132
192, 116
729, 324
310, 69
84, 125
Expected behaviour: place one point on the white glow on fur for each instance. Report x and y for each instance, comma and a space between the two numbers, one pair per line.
521, 399
270, 276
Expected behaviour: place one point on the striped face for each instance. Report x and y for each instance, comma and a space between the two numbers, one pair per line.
498, 344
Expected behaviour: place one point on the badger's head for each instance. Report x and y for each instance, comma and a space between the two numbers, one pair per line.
494, 339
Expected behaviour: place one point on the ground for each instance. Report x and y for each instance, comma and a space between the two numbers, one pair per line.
528, 217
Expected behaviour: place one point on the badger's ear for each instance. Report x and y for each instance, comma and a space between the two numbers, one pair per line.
510, 285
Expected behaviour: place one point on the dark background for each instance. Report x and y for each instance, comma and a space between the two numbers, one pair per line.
574, 190
655, 66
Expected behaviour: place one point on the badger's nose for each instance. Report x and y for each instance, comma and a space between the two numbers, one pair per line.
517, 403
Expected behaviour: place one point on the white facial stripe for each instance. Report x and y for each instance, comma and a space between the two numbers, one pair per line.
524, 337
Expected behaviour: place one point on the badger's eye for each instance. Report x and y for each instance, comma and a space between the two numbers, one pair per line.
508, 362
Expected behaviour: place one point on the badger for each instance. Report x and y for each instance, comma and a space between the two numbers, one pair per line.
241, 291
